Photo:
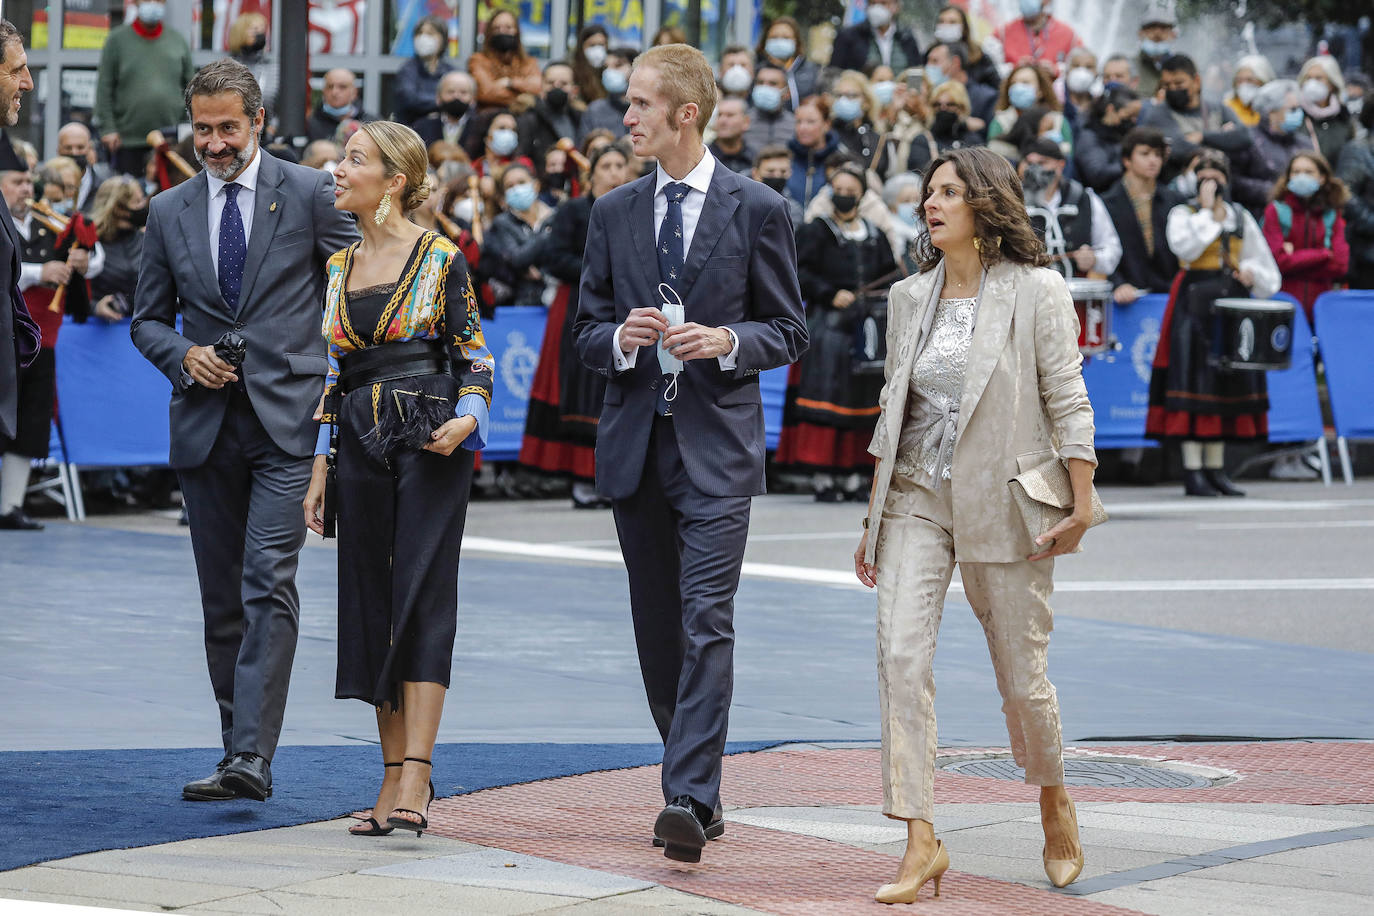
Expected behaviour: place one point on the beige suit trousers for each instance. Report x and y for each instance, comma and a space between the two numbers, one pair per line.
915, 559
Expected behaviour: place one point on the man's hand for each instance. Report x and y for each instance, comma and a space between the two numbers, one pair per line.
206, 368
1194, 138
696, 341
1125, 294
1084, 258
111, 140
56, 273
1246, 276
79, 260
642, 328
105, 309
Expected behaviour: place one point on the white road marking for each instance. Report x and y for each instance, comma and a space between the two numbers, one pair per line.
1246, 526
845, 578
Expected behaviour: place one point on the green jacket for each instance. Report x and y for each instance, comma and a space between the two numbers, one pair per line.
140, 83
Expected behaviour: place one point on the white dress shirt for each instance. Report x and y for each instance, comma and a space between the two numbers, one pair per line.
248, 182
698, 182
885, 42
31, 274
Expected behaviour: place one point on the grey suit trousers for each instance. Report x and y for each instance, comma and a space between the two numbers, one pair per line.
915, 560
247, 529
684, 550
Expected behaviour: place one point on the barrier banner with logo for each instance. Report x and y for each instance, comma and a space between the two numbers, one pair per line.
1119, 381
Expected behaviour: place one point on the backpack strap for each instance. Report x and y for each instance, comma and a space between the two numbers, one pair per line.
1285, 215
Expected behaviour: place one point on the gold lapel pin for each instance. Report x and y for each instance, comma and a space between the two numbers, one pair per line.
273, 208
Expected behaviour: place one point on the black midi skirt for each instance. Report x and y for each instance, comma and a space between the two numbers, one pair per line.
400, 530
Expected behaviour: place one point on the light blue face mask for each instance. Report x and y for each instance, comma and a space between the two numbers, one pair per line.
520, 196
1293, 120
907, 213
935, 76
1304, 185
337, 111
614, 81
1030, 8
504, 141
766, 98
1152, 48
884, 90
847, 109
1022, 96
151, 13
780, 48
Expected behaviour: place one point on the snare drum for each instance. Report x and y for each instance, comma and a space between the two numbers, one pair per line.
1252, 334
1092, 300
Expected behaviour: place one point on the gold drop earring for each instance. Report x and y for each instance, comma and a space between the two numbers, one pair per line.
383, 209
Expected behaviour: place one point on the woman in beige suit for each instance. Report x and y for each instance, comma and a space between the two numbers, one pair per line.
983, 382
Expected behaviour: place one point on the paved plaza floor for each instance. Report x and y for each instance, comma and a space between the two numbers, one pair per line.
1212, 658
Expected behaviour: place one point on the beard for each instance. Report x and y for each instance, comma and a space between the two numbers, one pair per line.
9, 117
232, 167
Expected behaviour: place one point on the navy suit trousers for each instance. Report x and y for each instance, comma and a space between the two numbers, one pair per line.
684, 550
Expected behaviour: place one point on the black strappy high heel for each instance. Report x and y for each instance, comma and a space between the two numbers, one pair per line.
376, 829
403, 823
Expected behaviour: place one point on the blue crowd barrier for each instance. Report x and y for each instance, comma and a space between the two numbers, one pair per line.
1118, 381
111, 402
1345, 328
1295, 409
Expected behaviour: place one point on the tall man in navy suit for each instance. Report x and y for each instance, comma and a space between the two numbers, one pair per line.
680, 454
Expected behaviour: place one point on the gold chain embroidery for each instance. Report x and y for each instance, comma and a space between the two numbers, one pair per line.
344, 321
402, 289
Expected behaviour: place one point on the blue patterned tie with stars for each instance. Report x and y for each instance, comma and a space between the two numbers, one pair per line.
671, 257
233, 247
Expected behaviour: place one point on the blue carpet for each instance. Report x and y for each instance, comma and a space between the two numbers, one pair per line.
64, 803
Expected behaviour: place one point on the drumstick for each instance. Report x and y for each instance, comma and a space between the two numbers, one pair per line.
579, 160
476, 195
158, 142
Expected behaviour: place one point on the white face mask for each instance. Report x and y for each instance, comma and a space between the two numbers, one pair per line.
1315, 91
736, 79
1080, 80
463, 210
595, 54
1246, 93
151, 13
427, 44
879, 16
949, 32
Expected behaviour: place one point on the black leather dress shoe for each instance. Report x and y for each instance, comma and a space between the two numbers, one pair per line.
1196, 483
16, 520
1223, 484
250, 776
682, 827
211, 788
714, 830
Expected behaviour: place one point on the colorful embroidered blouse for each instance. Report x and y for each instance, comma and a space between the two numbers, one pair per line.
433, 300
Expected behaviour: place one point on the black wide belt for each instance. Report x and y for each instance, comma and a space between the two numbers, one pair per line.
391, 361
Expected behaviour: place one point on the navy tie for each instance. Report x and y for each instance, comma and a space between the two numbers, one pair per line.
671, 257
233, 247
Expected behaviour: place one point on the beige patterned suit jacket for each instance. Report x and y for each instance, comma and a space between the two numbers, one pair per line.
1024, 400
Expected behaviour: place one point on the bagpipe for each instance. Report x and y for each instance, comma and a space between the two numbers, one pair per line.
169, 162
74, 232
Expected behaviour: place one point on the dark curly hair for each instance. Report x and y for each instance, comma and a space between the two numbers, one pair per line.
1333, 195
1001, 227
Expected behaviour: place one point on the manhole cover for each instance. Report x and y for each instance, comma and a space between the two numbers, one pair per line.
1087, 772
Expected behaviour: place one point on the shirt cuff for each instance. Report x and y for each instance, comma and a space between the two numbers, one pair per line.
30, 275
322, 441
727, 362
475, 406
623, 361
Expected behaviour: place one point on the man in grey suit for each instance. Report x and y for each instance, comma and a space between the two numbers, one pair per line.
680, 454
19, 337
241, 248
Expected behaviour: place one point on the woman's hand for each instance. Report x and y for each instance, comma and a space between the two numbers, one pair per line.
448, 437
1207, 195
867, 572
314, 497
1246, 276
1063, 537
843, 299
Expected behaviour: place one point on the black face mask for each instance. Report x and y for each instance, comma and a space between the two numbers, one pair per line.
946, 123
556, 181
139, 217
503, 43
454, 108
776, 182
258, 43
1178, 99
557, 99
845, 203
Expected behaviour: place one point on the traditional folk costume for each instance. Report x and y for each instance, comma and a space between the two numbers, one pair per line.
404, 358
1190, 399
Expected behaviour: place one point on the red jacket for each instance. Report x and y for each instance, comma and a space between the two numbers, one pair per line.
1312, 267
1051, 44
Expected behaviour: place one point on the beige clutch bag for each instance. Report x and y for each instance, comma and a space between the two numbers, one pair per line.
1044, 496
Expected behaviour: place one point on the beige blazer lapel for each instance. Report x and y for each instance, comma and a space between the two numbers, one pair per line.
990, 331
917, 296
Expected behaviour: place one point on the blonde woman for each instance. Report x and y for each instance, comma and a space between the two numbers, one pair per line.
968, 404
406, 405
119, 211
854, 112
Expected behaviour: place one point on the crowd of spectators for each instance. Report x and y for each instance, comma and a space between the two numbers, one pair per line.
1105, 145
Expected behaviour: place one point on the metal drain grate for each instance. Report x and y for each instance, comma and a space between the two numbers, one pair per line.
1079, 772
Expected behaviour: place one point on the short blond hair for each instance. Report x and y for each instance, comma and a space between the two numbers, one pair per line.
684, 75
237, 39
403, 153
